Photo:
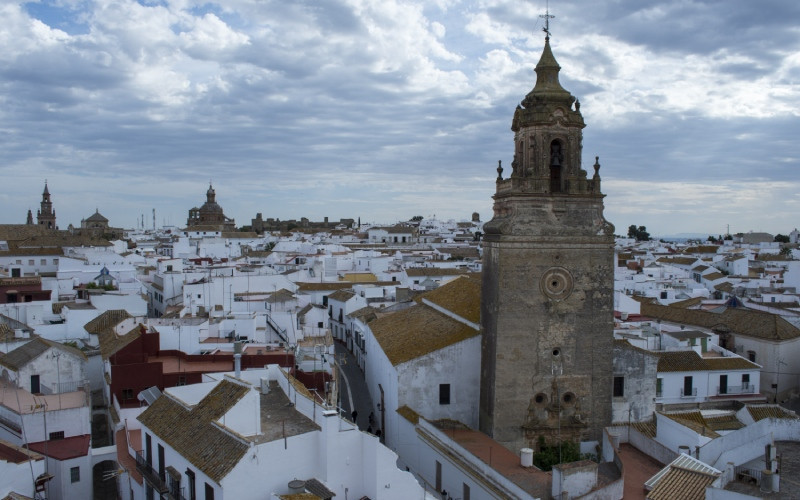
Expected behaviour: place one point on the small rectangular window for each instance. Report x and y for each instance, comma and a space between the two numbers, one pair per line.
127, 394
44, 263
465, 492
619, 387
30, 262
209, 492
751, 355
56, 435
55, 262
444, 394
75, 474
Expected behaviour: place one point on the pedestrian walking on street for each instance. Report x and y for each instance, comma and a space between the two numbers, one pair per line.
355, 416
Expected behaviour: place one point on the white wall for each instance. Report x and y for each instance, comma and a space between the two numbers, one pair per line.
19, 477
419, 381
61, 486
53, 366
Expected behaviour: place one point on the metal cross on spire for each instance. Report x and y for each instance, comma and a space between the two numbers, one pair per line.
547, 17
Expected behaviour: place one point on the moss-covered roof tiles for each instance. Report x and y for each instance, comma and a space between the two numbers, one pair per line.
103, 327
26, 353
408, 414
690, 361
417, 272
769, 411
218, 452
462, 296
342, 295
417, 331
738, 320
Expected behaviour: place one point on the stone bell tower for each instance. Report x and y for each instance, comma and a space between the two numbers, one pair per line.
46, 216
547, 307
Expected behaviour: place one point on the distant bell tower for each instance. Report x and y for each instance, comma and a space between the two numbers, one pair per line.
547, 307
46, 216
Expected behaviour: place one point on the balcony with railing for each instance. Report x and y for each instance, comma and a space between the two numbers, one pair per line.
151, 475
736, 389
690, 393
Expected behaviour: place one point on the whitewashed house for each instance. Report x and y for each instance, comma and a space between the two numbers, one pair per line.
258, 434
411, 354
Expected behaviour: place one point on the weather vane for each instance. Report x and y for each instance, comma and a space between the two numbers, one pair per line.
547, 17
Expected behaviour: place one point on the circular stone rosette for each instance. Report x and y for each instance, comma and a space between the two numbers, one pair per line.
557, 283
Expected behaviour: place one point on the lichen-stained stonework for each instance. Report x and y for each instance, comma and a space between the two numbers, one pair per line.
547, 308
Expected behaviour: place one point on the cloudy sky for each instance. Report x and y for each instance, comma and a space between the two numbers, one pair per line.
386, 109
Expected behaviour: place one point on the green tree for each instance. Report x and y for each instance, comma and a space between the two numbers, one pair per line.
639, 233
781, 238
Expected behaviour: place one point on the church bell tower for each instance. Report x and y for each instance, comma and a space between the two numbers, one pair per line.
46, 216
548, 277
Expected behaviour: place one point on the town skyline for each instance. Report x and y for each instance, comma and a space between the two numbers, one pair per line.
393, 110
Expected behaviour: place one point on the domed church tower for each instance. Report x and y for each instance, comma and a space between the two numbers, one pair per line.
547, 307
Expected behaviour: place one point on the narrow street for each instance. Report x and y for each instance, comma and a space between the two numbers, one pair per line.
353, 393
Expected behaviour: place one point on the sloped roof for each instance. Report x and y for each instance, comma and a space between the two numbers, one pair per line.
342, 295
26, 353
365, 314
683, 483
96, 217
417, 272
741, 321
103, 327
282, 295
417, 331
218, 452
462, 296
769, 411
695, 421
690, 361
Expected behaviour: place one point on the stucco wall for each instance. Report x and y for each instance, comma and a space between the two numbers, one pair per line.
420, 378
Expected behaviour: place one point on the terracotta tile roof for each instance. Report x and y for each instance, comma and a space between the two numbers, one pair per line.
695, 421
769, 411
360, 278
687, 302
103, 327
461, 296
408, 414
417, 331
218, 452
682, 483
26, 353
713, 276
685, 261
342, 295
365, 314
338, 285
299, 496
646, 428
689, 361
738, 320
282, 295
416, 272
724, 423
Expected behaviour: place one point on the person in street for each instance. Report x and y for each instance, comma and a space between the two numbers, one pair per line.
355, 416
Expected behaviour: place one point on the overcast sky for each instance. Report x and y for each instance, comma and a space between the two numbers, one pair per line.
386, 109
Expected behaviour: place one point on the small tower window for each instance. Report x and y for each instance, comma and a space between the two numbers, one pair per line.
556, 163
